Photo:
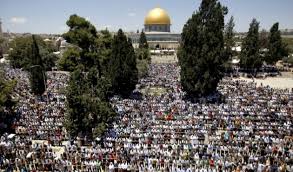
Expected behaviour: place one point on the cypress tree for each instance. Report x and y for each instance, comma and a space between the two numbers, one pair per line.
87, 106
76, 106
123, 71
277, 49
1, 46
263, 39
143, 41
37, 72
201, 52
250, 58
143, 56
229, 38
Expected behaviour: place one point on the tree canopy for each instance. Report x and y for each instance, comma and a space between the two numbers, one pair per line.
122, 68
229, 38
70, 59
288, 59
250, 58
143, 56
37, 72
100, 65
7, 114
104, 45
263, 39
20, 56
143, 41
94, 48
83, 34
1, 46
202, 48
88, 109
277, 49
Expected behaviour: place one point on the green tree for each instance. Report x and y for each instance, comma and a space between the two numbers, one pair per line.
102, 115
229, 38
1, 46
37, 73
143, 56
104, 46
100, 111
263, 39
76, 104
69, 60
202, 48
88, 111
7, 103
289, 43
4, 45
143, 41
83, 34
277, 49
100, 86
122, 68
142, 67
288, 60
250, 58
20, 56
142, 62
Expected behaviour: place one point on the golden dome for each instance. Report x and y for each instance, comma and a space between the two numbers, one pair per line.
157, 16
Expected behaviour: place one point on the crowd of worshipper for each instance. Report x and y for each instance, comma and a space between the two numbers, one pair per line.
250, 131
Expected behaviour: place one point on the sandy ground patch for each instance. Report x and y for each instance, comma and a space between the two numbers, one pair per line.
154, 91
164, 59
281, 82
58, 150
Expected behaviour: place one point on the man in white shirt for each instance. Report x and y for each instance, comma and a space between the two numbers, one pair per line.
111, 167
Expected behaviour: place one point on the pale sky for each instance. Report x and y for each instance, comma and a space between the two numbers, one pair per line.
50, 16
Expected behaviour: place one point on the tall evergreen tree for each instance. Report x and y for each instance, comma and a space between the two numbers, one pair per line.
229, 38
1, 52
143, 41
88, 110
1, 46
202, 48
143, 56
70, 59
122, 68
263, 39
277, 49
104, 49
76, 104
250, 58
7, 113
83, 34
37, 72
20, 55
